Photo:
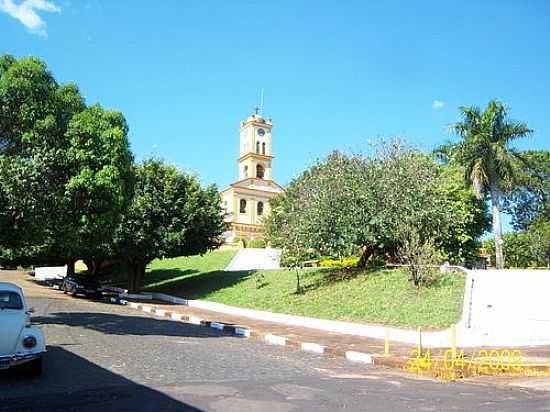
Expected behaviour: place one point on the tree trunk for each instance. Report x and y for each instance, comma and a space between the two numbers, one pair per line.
131, 270
70, 267
136, 273
140, 271
367, 253
497, 226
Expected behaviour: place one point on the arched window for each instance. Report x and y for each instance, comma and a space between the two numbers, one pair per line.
258, 147
260, 208
242, 206
263, 148
245, 172
259, 171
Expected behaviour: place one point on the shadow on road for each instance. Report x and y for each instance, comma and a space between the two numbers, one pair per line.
71, 383
115, 324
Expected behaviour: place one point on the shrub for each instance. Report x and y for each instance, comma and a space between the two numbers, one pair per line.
256, 244
420, 258
339, 263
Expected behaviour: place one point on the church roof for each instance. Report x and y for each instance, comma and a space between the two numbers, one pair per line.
257, 184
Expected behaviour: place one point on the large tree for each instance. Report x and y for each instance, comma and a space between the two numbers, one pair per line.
170, 215
65, 169
346, 203
486, 155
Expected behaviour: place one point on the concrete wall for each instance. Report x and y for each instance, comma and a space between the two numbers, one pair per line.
508, 306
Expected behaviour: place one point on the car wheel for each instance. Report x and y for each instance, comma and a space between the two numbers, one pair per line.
34, 367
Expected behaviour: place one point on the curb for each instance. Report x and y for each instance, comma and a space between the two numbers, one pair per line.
245, 332
375, 359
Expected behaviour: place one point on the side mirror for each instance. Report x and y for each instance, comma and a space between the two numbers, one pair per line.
31, 310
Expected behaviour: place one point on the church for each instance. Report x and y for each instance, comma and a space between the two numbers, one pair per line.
246, 201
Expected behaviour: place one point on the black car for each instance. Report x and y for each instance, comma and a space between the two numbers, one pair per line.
81, 285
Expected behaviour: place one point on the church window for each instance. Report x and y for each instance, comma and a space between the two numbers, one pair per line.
245, 172
242, 206
259, 171
258, 147
263, 148
260, 208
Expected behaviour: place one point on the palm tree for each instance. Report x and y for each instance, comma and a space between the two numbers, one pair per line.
486, 156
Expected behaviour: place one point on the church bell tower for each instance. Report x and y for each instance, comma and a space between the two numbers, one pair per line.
247, 201
255, 148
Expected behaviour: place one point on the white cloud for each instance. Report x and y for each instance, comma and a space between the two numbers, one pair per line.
26, 13
437, 104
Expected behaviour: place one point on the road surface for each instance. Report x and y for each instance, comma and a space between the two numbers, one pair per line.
111, 358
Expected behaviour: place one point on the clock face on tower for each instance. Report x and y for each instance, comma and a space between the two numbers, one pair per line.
261, 132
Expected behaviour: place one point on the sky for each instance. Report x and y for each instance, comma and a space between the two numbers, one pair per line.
336, 75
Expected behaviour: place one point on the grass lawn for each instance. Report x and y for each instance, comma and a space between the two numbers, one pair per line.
382, 295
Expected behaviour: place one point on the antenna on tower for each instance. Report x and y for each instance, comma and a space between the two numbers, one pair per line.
262, 102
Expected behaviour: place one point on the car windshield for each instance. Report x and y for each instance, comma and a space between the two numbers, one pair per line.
10, 300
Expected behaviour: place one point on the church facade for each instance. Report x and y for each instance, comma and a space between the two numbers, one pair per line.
247, 201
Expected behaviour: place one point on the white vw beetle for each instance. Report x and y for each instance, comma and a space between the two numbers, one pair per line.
20, 342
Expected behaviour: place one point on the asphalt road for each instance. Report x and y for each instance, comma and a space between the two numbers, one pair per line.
110, 358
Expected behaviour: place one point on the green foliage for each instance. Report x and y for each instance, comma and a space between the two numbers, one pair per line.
466, 219
170, 215
67, 183
65, 170
528, 197
256, 243
539, 235
525, 249
420, 257
345, 203
485, 155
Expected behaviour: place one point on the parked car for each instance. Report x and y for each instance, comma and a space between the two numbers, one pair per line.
21, 343
81, 285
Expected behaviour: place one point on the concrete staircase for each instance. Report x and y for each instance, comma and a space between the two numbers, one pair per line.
253, 259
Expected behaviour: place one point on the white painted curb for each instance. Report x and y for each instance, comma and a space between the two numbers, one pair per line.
194, 320
275, 340
312, 347
358, 357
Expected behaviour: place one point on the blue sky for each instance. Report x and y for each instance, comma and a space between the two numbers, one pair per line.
335, 74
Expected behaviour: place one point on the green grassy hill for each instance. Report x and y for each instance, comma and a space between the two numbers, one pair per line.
382, 295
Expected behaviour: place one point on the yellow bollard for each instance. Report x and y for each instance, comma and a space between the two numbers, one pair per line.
386, 343
453, 341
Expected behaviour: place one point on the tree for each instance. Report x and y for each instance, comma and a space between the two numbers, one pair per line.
65, 169
486, 156
419, 255
528, 197
99, 184
539, 237
525, 248
349, 203
170, 215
